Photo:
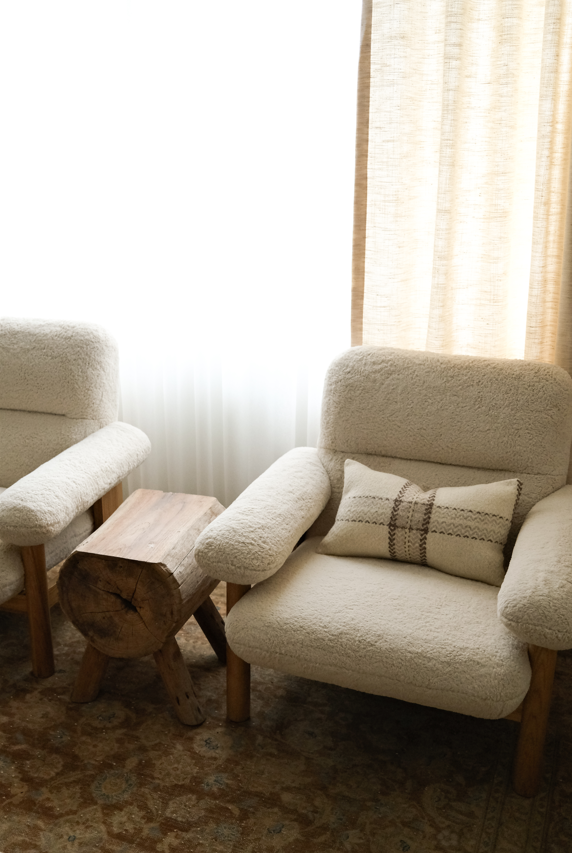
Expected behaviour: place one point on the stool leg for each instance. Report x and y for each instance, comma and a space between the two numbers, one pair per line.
212, 625
237, 670
177, 681
90, 675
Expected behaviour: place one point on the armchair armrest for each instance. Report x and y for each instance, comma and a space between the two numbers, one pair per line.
42, 504
535, 599
251, 540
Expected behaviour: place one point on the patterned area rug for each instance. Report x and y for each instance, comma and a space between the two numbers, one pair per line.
318, 768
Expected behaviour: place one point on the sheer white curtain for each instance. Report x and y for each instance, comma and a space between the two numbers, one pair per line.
182, 173
463, 171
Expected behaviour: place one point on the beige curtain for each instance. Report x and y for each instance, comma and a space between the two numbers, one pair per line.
462, 220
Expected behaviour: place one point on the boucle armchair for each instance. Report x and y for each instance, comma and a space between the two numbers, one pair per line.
63, 455
404, 629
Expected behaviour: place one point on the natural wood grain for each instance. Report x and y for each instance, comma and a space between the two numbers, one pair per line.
237, 670
178, 684
19, 603
515, 715
102, 509
152, 526
134, 582
105, 601
212, 625
41, 590
90, 675
234, 592
107, 505
535, 709
38, 609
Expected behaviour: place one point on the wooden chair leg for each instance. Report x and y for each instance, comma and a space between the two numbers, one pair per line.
107, 505
37, 595
237, 670
88, 681
535, 709
38, 609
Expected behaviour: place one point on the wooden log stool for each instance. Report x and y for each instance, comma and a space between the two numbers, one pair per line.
131, 585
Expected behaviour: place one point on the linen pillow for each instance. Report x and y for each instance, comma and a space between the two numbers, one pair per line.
461, 531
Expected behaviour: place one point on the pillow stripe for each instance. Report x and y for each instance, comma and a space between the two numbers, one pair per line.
429, 503
393, 519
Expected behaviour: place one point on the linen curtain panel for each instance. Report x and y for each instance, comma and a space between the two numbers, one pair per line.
182, 173
462, 219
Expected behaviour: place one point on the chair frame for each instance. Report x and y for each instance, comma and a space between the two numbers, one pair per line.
40, 591
532, 714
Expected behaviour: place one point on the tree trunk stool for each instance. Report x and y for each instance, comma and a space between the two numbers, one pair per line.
131, 585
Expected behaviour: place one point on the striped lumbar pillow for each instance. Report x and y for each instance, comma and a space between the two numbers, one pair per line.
461, 531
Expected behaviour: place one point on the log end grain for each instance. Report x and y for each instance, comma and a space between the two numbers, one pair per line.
134, 582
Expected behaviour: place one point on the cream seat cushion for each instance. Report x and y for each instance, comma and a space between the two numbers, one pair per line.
392, 629
11, 566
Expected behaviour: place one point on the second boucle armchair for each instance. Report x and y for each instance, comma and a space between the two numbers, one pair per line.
63, 455
433, 627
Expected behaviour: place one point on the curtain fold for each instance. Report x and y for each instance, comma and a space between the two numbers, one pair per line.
550, 283
360, 194
461, 203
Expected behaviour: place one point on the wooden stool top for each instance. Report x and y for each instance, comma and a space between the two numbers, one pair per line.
152, 527
134, 582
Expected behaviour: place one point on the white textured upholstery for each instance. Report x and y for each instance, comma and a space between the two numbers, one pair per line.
392, 629
452, 409
535, 600
40, 505
43, 436
62, 368
262, 526
57, 549
434, 475
58, 384
446, 420
61, 448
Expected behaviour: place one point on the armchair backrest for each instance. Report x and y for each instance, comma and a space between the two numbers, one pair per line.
446, 420
58, 384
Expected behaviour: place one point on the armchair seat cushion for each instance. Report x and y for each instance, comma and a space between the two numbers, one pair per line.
392, 629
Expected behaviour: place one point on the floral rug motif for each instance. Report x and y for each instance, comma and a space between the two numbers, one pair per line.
317, 769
